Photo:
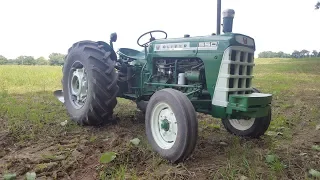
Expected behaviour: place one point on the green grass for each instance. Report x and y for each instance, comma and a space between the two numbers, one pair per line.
27, 103
31, 116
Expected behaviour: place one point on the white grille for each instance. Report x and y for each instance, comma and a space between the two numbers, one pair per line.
235, 74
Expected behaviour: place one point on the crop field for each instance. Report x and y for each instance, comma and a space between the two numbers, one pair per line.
37, 136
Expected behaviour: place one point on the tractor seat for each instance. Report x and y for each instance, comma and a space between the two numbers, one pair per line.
131, 53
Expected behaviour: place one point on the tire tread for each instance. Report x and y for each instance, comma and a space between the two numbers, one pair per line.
104, 80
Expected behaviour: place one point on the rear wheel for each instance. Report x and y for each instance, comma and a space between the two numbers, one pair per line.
89, 84
254, 127
171, 125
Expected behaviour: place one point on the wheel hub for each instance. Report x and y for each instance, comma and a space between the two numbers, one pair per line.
164, 126
242, 124
167, 122
79, 87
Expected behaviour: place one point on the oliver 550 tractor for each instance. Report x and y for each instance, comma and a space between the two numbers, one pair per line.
170, 81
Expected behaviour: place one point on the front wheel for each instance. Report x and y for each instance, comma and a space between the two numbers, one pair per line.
171, 125
254, 127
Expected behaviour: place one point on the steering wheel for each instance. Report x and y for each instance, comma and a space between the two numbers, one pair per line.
151, 37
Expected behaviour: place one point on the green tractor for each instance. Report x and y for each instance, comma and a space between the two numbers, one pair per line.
170, 80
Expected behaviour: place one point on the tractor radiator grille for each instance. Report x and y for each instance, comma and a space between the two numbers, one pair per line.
235, 74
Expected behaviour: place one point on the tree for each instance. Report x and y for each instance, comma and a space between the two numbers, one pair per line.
304, 53
296, 54
41, 61
317, 5
3, 60
280, 54
56, 59
270, 54
266, 54
12, 62
26, 60
315, 53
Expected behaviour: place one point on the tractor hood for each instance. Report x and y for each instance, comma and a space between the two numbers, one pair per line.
202, 43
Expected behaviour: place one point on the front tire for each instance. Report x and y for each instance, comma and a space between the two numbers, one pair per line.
254, 127
89, 84
171, 125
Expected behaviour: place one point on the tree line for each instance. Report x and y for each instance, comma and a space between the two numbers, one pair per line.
295, 54
55, 59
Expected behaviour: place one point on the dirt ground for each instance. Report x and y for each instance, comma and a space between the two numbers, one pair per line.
74, 154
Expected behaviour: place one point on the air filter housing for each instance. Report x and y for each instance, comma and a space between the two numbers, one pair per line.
228, 16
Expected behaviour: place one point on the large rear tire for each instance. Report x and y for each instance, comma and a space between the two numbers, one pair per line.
171, 125
254, 127
89, 84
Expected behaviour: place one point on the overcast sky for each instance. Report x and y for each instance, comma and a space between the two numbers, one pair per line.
39, 27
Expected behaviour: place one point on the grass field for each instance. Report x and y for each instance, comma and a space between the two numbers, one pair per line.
34, 138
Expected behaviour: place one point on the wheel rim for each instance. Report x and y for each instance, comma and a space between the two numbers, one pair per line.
242, 124
164, 126
78, 85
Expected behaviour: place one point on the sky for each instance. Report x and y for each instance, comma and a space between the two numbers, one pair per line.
40, 27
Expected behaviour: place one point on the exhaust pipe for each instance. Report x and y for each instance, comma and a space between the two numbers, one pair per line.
228, 16
218, 16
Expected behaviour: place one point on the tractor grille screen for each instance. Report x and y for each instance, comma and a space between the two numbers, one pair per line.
235, 74
240, 68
